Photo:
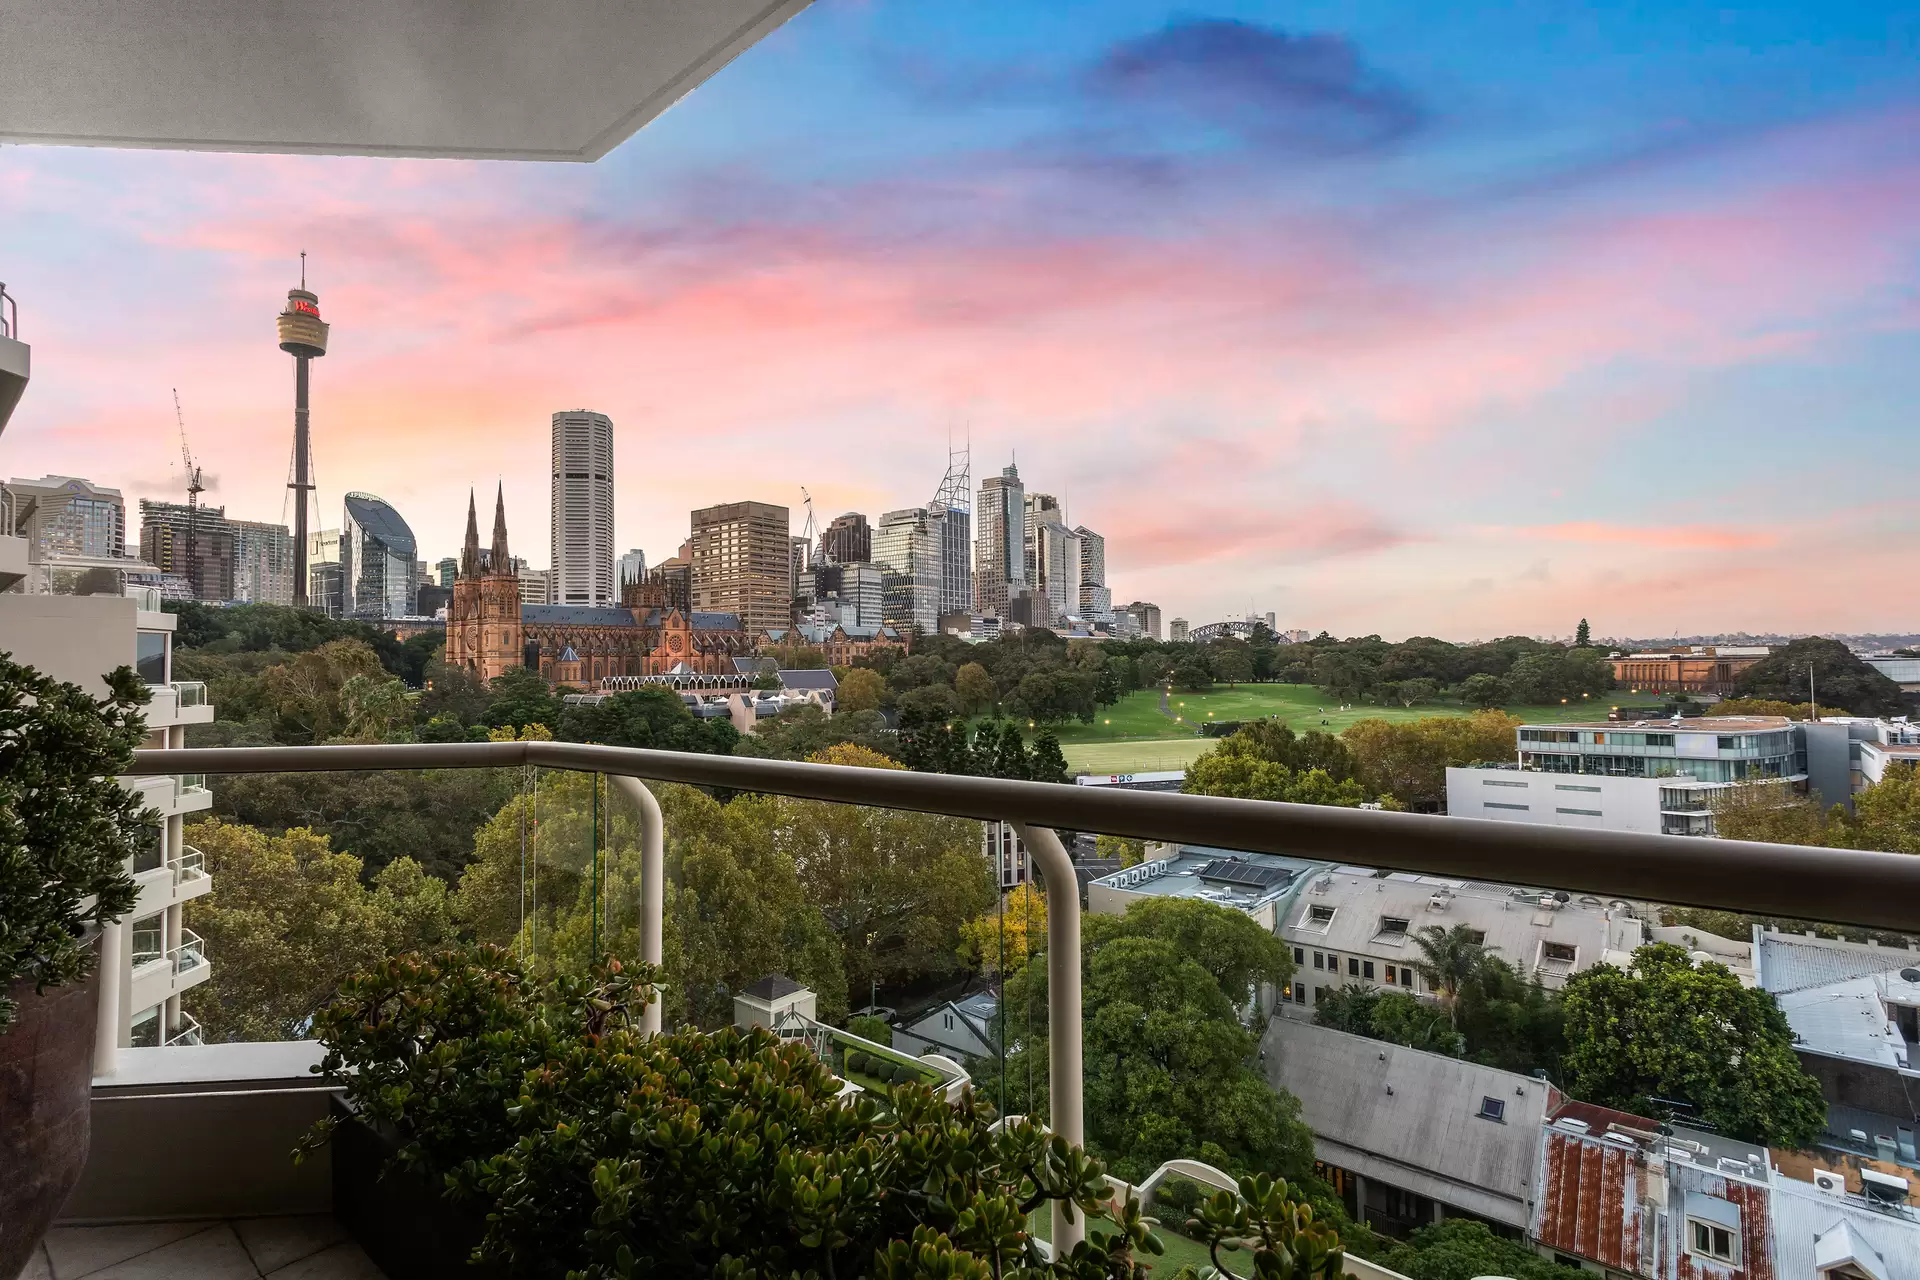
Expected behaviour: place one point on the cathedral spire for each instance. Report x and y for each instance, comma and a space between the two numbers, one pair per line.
502, 562
470, 550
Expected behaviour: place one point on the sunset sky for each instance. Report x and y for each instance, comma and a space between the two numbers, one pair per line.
1458, 320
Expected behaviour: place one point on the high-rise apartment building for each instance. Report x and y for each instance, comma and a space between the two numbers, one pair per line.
999, 547
262, 562
195, 543
1096, 599
1177, 631
908, 548
377, 550
1038, 510
536, 586
447, 570
1146, 617
633, 568
582, 535
70, 517
326, 593
743, 564
1056, 559
846, 539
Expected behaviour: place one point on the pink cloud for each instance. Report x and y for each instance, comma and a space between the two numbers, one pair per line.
1678, 537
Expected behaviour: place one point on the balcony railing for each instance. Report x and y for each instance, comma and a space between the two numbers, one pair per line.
189, 955
146, 599
1876, 890
188, 1032
188, 864
192, 782
9, 315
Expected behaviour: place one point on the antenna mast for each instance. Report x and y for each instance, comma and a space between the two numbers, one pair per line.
194, 489
810, 533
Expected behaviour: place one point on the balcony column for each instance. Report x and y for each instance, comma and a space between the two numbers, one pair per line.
653, 884
1064, 1093
110, 973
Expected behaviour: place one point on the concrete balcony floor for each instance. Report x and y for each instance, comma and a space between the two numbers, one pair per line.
302, 1248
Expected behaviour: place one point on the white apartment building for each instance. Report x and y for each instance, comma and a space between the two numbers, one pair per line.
1653, 776
582, 532
1350, 925
149, 959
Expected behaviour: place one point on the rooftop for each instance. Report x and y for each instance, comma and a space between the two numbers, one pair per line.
1243, 880
1692, 724
1419, 1120
1352, 909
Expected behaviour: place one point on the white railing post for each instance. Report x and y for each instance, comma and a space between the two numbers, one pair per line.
1064, 1094
653, 884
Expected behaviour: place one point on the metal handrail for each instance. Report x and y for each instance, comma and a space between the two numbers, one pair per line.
190, 954
188, 864
1767, 879
188, 1032
1843, 886
9, 328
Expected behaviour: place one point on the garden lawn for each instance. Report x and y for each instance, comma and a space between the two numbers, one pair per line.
1179, 1250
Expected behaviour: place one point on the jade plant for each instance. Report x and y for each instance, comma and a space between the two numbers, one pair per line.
1273, 1225
67, 829
599, 1152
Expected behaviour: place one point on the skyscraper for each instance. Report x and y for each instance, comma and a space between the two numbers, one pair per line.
907, 549
1057, 568
743, 564
447, 570
262, 562
1096, 599
847, 539
633, 568
1147, 617
377, 550
1039, 508
71, 517
999, 551
583, 560
208, 566
325, 590
955, 500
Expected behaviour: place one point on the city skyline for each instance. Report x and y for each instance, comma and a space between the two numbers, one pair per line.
1462, 331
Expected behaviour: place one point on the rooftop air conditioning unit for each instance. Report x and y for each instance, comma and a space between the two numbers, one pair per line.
1830, 1182
1438, 902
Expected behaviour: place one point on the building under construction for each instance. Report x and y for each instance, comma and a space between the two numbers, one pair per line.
206, 570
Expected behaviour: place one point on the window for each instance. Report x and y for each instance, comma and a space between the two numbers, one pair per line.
1713, 1240
1353, 967
1489, 804
1319, 995
1580, 813
1573, 786
146, 1028
150, 656
1558, 952
1299, 956
1393, 925
1500, 782
1318, 914
1478, 937
1391, 971
1319, 960
1492, 1108
1659, 739
1299, 993
149, 939
1366, 969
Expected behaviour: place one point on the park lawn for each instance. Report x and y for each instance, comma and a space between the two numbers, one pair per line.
1179, 1250
1133, 736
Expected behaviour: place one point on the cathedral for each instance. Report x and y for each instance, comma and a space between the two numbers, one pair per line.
489, 631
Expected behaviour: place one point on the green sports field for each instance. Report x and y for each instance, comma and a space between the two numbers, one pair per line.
1135, 736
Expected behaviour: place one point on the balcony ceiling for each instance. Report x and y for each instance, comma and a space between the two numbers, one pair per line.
482, 79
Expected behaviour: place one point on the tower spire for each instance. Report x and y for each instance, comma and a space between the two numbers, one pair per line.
502, 562
470, 549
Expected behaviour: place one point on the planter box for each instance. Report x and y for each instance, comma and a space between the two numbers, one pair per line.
401, 1219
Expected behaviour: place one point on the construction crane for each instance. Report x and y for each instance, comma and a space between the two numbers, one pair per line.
194, 490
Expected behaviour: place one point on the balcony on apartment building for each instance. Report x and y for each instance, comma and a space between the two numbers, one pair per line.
231, 1112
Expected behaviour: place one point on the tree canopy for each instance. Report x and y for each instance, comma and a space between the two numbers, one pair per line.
1840, 680
1692, 1035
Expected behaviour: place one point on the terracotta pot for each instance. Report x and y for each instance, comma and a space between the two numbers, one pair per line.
46, 1087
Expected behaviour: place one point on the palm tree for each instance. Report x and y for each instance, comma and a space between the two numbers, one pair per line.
1454, 957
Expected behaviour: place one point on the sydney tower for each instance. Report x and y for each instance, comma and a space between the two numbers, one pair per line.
304, 336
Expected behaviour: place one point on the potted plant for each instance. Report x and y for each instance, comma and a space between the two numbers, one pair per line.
67, 831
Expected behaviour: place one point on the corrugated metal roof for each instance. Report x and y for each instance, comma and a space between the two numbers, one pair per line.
1412, 1119
1803, 1216
1591, 1203
1793, 962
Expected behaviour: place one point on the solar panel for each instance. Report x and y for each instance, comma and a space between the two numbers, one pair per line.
1235, 871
